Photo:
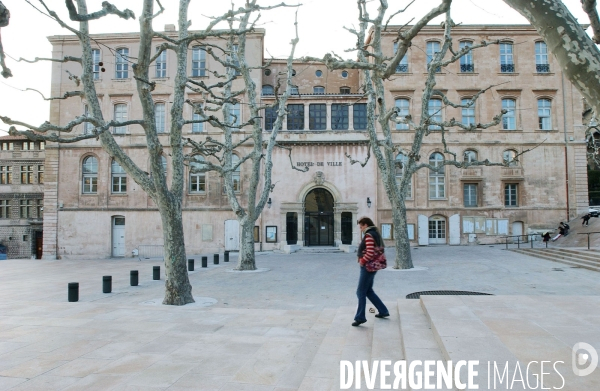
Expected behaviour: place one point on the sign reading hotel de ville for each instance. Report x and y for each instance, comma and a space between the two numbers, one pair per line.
318, 164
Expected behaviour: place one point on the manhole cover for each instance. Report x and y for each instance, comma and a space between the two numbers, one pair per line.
417, 295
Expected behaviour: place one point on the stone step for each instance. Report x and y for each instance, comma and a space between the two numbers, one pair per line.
591, 261
517, 330
580, 254
341, 342
560, 259
417, 338
320, 250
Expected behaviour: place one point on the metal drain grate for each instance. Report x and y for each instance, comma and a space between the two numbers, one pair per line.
417, 295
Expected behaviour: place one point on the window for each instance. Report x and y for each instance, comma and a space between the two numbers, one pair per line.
5, 175
339, 116
468, 113
403, 106
40, 174
40, 208
96, 63
28, 146
235, 175
344, 74
433, 47
317, 116
294, 90
159, 117
26, 209
197, 179
509, 156
344, 90
541, 58
470, 156
318, 73
267, 72
88, 127
5, 209
295, 117
7, 146
401, 161
118, 178
42, 145
509, 121
470, 195
510, 194
163, 163
90, 175
120, 116
436, 179
507, 64
198, 61
403, 64
197, 127
466, 61
122, 63
270, 117
161, 64
318, 90
27, 175
268, 90
234, 60
235, 118
544, 118
435, 113
360, 116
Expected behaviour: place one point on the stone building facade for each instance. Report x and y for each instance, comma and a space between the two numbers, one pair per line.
21, 196
93, 210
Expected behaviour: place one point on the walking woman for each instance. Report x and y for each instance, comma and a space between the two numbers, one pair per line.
366, 251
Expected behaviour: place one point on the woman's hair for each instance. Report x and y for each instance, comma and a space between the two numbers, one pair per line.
366, 221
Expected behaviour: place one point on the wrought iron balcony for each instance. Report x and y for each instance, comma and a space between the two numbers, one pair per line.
507, 68
542, 68
467, 68
402, 68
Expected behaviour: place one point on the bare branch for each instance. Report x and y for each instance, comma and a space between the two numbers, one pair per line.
362, 164
66, 95
107, 9
289, 149
589, 6
64, 59
51, 137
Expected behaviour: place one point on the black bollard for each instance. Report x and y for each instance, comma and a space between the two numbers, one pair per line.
106, 284
216, 259
190, 265
73, 291
156, 272
204, 261
226, 256
133, 277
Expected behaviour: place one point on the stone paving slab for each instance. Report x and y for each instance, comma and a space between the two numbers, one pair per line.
285, 329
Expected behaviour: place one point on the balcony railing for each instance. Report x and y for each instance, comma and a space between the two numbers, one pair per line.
542, 68
402, 68
507, 68
467, 68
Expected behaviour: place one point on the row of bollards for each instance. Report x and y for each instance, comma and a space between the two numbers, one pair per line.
73, 287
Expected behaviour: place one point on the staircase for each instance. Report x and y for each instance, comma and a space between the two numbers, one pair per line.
320, 250
574, 258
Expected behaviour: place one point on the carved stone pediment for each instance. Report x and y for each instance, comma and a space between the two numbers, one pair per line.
319, 178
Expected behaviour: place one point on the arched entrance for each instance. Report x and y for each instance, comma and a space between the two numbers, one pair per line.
318, 218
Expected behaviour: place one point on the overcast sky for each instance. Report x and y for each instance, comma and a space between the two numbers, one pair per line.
320, 24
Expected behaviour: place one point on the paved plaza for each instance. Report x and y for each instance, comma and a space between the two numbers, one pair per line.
286, 328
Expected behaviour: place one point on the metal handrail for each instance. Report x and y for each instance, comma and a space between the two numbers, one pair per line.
588, 234
528, 236
148, 251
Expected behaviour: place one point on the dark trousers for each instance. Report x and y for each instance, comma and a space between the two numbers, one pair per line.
364, 291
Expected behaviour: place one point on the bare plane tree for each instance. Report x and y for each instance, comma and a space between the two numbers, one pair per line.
167, 196
392, 159
260, 154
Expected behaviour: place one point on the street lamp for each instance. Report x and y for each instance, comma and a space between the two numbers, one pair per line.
368, 202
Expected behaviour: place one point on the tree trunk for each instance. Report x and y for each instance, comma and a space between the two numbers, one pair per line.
403, 255
246, 259
576, 54
178, 290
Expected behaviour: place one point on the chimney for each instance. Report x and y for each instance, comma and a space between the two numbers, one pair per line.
170, 27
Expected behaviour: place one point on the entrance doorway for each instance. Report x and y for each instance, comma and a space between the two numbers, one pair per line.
437, 230
118, 236
318, 220
39, 244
